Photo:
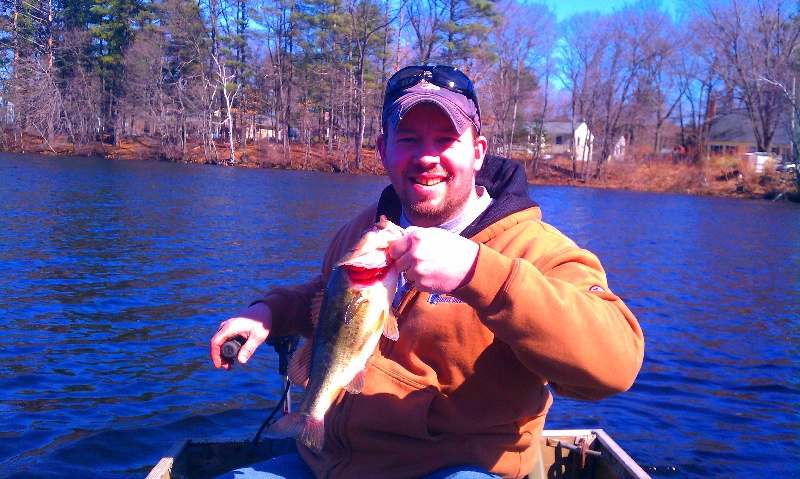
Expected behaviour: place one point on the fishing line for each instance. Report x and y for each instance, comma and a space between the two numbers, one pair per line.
285, 346
271, 419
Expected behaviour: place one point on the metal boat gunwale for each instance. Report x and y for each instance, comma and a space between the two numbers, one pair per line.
560, 456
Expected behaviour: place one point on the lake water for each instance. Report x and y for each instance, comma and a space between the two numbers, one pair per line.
115, 274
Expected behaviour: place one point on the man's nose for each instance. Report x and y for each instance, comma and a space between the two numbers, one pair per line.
428, 154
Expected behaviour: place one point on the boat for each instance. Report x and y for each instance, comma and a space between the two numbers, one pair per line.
563, 454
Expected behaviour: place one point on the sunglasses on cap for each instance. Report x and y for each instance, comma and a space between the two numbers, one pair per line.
442, 76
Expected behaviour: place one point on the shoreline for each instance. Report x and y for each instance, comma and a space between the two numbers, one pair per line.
723, 177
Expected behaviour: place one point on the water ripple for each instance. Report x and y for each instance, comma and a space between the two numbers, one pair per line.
117, 274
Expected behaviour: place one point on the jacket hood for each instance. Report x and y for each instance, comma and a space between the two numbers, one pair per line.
504, 180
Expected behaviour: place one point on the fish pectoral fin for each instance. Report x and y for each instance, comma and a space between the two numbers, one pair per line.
300, 365
390, 328
356, 385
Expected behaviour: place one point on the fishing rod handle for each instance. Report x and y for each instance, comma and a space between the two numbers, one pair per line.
230, 348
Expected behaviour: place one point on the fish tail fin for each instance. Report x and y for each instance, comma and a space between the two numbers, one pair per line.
313, 434
308, 429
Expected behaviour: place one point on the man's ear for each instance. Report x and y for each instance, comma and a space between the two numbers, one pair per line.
480, 151
380, 143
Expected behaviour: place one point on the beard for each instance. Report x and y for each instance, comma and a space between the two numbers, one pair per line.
428, 212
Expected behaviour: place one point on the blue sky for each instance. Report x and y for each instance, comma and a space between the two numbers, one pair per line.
566, 8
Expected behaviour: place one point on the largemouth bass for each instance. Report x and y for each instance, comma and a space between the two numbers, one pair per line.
356, 309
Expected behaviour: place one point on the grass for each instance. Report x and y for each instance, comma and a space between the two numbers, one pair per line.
717, 175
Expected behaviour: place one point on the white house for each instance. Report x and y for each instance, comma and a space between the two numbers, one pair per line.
618, 150
561, 139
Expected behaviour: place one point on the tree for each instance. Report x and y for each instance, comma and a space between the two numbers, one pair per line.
659, 88
118, 20
366, 21
582, 70
450, 32
523, 41
228, 90
755, 44
81, 90
277, 18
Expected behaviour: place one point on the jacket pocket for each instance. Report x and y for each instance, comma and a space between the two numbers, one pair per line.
391, 404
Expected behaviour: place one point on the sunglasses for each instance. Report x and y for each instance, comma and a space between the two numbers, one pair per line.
442, 76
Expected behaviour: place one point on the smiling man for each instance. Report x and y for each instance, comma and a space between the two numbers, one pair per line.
431, 162
497, 309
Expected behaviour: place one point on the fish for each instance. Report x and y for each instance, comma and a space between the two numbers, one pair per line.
353, 312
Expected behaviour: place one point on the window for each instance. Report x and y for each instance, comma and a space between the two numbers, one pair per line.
559, 140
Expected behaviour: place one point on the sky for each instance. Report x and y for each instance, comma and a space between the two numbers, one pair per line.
566, 8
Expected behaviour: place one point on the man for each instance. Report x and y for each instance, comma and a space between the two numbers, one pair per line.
497, 309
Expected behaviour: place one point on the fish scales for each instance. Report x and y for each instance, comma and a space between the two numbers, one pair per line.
355, 312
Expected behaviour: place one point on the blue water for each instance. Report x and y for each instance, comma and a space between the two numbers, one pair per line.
117, 273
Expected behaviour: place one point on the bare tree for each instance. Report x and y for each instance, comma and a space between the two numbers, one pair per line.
37, 97
659, 88
81, 91
228, 90
278, 18
697, 67
426, 18
582, 71
753, 41
145, 104
367, 20
524, 42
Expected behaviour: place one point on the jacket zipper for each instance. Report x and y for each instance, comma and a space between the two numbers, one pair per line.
337, 435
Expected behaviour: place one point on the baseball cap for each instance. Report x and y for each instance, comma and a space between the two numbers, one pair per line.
446, 87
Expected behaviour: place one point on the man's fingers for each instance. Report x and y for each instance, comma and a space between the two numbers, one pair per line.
247, 350
216, 343
399, 247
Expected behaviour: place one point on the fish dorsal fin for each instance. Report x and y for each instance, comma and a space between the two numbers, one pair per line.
356, 385
390, 328
316, 306
300, 366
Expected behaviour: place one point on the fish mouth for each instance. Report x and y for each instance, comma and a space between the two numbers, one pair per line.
362, 275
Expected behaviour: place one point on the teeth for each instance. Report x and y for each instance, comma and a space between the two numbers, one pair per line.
429, 182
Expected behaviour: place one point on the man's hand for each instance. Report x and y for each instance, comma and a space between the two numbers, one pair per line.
436, 261
254, 324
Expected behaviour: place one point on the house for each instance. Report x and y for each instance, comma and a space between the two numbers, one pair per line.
618, 147
618, 150
732, 134
6, 111
561, 139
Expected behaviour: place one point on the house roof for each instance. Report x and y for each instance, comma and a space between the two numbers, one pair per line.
559, 127
735, 127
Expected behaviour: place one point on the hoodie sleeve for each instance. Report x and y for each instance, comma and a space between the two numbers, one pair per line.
550, 301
